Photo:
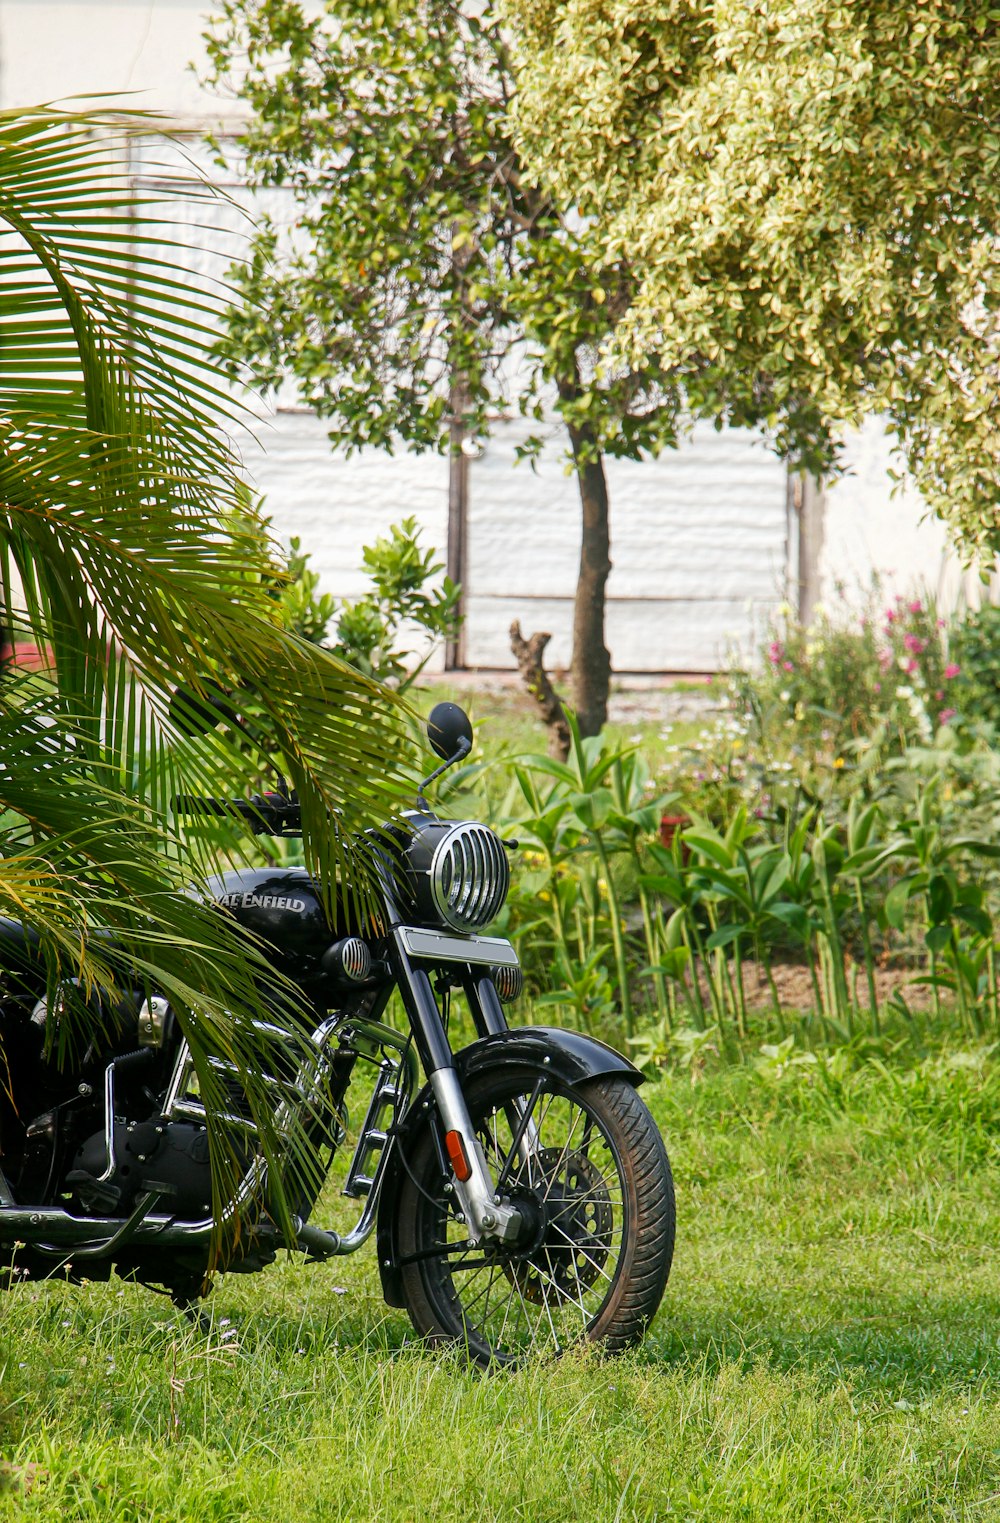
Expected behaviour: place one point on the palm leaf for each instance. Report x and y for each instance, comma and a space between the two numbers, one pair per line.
86, 867
126, 550
116, 482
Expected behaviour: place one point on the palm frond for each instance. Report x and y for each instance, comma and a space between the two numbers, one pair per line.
113, 913
122, 493
127, 551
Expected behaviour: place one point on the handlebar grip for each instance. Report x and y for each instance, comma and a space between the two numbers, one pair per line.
268, 814
193, 803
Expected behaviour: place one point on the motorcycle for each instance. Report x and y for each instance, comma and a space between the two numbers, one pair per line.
518, 1189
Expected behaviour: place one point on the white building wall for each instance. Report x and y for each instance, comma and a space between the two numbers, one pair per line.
877, 529
698, 543
52, 50
700, 539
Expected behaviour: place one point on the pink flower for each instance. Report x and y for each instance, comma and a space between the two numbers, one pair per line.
789, 666
911, 666
890, 616
885, 659
947, 714
939, 694
942, 623
951, 670
914, 643
916, 607
774, 652
878, 687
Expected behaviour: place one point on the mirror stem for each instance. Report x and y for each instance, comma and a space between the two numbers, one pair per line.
464, 747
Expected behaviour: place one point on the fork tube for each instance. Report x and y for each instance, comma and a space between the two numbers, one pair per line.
484, 1003
483, 1213
429, 1034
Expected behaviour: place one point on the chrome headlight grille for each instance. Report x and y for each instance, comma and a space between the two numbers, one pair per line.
469, 876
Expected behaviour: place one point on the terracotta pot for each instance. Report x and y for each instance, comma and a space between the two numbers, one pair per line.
670, 824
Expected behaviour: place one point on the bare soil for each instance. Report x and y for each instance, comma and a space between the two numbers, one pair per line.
795, 987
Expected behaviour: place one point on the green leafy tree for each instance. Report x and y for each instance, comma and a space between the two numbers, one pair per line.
809, 195
426, 280
369, 630
123, 558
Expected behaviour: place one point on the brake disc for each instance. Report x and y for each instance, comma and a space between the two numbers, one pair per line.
576, 1223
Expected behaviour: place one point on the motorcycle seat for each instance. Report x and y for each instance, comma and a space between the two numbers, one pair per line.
15, 937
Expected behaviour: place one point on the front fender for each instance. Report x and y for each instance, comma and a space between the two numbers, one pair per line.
573, 1057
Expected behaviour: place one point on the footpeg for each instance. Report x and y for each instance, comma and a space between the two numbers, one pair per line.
96, 1197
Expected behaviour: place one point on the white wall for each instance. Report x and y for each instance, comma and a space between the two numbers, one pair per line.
877, 528
698, 537
53, 49
697, 544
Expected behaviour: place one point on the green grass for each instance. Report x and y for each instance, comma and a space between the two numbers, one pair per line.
828, 1348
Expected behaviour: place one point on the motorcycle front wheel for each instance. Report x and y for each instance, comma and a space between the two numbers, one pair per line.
588, 1173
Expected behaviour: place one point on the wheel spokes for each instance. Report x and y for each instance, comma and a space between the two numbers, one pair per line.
551, 1290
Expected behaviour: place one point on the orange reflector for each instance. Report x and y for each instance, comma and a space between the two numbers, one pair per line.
456, 1152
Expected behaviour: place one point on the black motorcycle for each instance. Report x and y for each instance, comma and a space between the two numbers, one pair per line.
521, 1197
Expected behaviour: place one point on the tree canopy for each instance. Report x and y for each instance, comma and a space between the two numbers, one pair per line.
808, 192
418, 251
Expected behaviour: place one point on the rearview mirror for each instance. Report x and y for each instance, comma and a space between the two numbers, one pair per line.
447, 728
196, 714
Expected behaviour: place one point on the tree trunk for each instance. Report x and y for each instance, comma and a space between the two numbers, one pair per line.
590, 667
458, 510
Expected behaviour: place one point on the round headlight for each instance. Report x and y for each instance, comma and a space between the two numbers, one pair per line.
460, 873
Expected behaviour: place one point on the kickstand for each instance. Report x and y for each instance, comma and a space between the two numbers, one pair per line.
189, 1305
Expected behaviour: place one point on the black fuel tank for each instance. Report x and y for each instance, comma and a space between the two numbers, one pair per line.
282, 907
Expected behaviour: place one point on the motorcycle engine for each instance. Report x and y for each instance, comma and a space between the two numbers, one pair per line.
172, 1154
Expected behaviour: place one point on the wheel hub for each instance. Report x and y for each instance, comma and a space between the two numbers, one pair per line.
567, 1222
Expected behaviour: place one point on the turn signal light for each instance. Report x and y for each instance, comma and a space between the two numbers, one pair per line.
456, 1152
349, 958
508, 983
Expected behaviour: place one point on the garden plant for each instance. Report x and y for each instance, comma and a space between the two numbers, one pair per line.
838, 818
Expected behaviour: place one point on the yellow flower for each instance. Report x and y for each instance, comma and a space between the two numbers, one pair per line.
839, 762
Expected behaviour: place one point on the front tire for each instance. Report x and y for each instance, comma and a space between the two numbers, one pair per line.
593, 1185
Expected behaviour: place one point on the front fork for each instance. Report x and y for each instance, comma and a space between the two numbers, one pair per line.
486, 1214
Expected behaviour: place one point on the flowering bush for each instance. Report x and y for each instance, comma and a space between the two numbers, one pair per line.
975, 644
820, 691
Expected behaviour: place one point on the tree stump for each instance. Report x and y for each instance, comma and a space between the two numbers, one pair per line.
529, 656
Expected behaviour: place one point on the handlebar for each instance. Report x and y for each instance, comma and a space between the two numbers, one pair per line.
268, 814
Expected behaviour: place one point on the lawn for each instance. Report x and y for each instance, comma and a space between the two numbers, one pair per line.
829, 1347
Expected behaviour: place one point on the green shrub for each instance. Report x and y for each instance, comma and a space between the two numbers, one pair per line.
975, 645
